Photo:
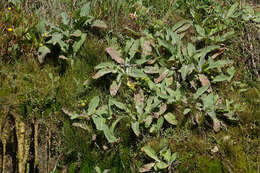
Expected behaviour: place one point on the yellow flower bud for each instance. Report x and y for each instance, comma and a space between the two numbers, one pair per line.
41, 44
10, 29
9, 8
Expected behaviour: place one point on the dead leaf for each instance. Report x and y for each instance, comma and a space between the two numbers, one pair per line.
115, 55
205, 81
220, 51
146, 167
215, 149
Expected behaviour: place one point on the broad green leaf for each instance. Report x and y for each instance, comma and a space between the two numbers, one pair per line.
118, 104
109, 134
135, 128
183, 28
186, 70
257, 19
151, 69
146, 167
178, 25
99, 24
232, 10
76, 33
162, 165
221, 78
167, 45
186, 111
148, 121
112, 128
166, 155
97, 169
65, 18
103, 72
136, 73
217, 64
94, 102
200, 91
84, 11
76, 46
105, 65
43, 51
191, 49
150, 152
200, 30
99, 122
159, 123
231, 71
173, 158
170, 118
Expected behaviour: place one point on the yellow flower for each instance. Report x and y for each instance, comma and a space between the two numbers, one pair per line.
83, 104
41, 44
9, 8
45, 34
10, 29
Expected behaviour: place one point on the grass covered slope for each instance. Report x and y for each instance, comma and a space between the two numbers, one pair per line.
130, 86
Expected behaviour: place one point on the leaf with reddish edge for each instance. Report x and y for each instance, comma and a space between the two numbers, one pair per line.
146, 167
115, 55
161, 77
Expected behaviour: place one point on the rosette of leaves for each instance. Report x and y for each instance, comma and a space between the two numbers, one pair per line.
70, 35
161, 160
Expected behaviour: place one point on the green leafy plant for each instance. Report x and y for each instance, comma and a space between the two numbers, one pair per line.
70, 35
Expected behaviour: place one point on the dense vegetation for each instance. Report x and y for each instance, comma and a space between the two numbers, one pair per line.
130, 86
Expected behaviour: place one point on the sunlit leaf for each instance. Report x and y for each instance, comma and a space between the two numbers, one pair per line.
200, 91
135, 128
77, 45
162, 165
170, 118
65, 18
84, 11
94, 102
103, 72
150, 152
43, 51
99, 24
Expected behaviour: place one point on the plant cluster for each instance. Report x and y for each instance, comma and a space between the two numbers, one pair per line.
168, 77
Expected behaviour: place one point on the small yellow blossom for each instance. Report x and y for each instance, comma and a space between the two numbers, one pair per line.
10, 29
41, 44
45, 34
9, 8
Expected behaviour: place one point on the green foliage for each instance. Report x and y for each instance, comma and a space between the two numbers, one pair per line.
67, 38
